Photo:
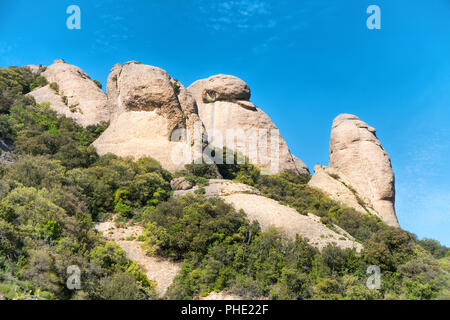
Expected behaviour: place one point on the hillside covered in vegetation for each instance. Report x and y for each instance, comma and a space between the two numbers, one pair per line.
58, 187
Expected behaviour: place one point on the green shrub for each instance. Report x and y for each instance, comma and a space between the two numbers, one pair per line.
98, 84
240, 170
123, 286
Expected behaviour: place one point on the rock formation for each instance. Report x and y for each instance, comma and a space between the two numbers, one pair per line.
6, 156
180, 184
269, 213
147, 106
35, 69
231, 120
152, 114
360, 173
216, 188
72, 93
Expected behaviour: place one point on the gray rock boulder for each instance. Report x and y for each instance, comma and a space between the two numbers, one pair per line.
75, 95
151, 114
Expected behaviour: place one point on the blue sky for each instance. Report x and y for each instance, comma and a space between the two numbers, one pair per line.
306, 61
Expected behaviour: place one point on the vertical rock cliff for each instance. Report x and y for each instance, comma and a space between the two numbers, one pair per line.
71, 92
360, 173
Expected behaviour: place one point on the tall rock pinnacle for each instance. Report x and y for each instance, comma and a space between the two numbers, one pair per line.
360, 173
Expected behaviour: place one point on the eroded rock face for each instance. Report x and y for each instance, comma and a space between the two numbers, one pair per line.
269, 212
358, 162
300, 165
231, 120
75, 96
148, 109
36, 69
180, 184
6, 156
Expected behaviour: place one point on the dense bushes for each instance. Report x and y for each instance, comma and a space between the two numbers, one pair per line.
389, 248
40, 240
434, 248
234, 254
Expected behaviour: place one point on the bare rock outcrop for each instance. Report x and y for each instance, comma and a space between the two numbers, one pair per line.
269, 212
221, 87
151, 114
180, 184
6, 156
72, 93
360, 173
218, 188
232, 121
35, 69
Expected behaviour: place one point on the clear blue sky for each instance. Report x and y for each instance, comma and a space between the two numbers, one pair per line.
306, 61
